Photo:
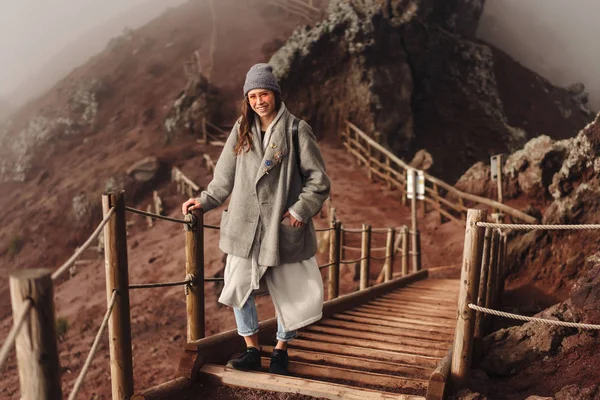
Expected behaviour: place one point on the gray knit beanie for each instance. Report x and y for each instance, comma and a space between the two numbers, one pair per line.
261, 76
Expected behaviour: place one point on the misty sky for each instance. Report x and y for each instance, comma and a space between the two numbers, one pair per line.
32, 31
555, 38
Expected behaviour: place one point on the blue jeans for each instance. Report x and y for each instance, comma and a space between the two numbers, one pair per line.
246, 319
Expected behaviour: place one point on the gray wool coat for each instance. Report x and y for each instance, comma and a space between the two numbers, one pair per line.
264, 185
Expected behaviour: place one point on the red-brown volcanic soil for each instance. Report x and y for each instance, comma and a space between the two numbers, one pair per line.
36, 209
157, 255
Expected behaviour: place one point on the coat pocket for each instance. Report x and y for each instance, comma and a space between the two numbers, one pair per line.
291, 240
225, 223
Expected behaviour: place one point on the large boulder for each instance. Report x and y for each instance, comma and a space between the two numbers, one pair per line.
413, 72
517, 355
197, 101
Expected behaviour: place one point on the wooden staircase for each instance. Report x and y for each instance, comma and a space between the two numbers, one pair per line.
384, 348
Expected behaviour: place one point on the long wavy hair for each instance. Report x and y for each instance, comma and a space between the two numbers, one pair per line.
244, 142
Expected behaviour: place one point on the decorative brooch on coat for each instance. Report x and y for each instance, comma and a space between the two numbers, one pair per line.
278, 156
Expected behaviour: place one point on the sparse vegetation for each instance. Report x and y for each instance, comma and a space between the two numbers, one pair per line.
62, 326
15, 245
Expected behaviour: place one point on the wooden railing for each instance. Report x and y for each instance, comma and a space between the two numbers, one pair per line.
34, 311
184, 184
212, 134
441, 196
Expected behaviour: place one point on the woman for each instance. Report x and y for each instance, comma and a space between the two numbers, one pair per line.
273, 169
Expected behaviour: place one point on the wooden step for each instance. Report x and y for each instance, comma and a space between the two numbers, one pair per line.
414, 313
420, 299
365, 327
416, 294
407, 329
371, 344
380, 337
428, 283
416, 306
307, 387
435, 288
363, 317
369, 354
371, 380
401, 316
354, 363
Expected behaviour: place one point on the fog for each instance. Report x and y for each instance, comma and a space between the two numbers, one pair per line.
34, 34
556, 38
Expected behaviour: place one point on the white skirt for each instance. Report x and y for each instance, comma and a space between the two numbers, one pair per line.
295, 288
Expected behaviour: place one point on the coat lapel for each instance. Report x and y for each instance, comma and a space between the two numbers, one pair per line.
277, 148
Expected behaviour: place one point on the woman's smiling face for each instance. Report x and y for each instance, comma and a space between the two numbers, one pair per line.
262, 102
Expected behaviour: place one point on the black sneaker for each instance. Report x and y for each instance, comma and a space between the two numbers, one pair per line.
249, 361
279, 362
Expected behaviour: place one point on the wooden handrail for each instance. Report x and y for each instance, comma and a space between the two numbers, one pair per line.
429, 178
178, 175
218, 129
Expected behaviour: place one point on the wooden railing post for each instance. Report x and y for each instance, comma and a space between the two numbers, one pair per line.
365, 255
492, 279
194, 269
389, 255
37, 352
388, 172
334, 257
469, 285
461, 203
117, 279
436, 195
369, 157
482, 292
404, 197
502, 267
404, 250
415, 243
342, 240
204, 131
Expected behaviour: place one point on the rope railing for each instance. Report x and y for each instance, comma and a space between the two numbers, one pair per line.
326, 265
160, 284
84, 247
94, 348
352, 261
524, 227
324, 229
155, 216
533, 319
12, 334
352, 248
346, 230
118, 281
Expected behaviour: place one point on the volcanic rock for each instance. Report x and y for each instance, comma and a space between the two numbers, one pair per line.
414, 72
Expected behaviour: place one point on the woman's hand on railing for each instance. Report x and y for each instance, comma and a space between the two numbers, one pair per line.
189, 205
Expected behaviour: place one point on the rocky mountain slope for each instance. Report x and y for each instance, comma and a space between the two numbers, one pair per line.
414, 72
407, 69
561, 182
5, 109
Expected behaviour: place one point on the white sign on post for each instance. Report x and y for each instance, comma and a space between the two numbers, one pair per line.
420, 185
410, 177
494, 167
